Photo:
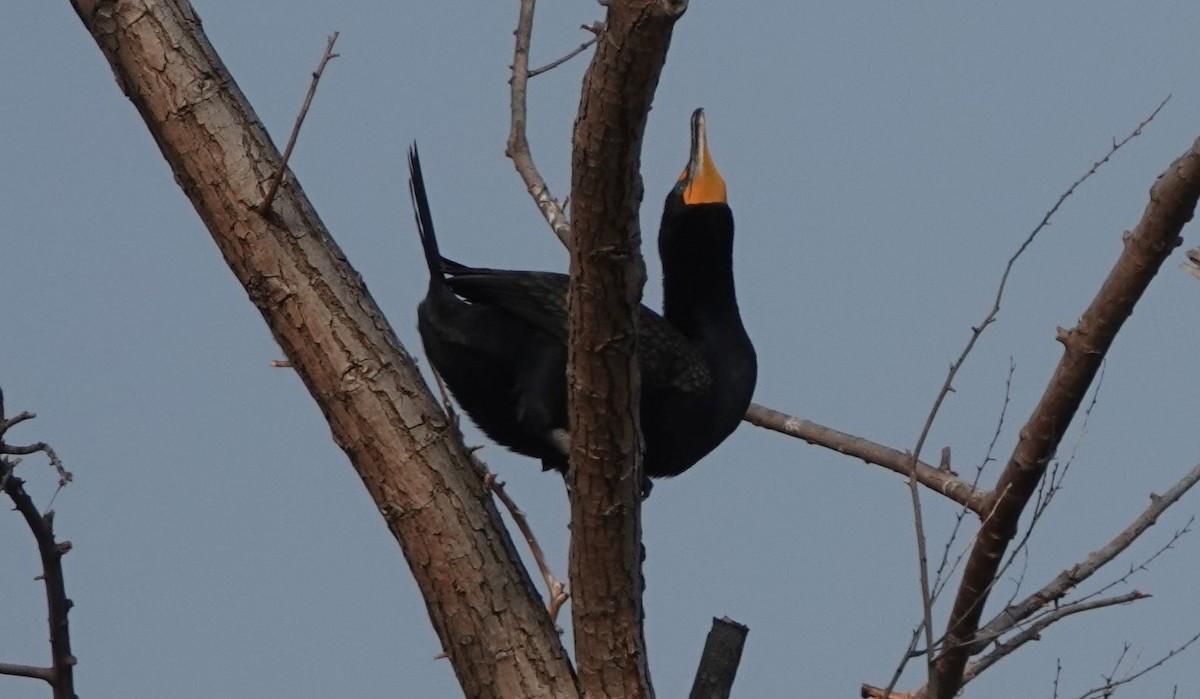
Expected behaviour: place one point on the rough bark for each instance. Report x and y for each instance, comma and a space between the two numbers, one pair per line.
491, 623
607, 275
719, 662
1172, 204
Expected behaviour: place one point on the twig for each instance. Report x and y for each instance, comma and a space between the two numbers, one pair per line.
1034, 630
942, 577
555, 588
1070, 578
578, 50
518, 143
329, 55
1112, 683
719, 661
937, 479
1144, 565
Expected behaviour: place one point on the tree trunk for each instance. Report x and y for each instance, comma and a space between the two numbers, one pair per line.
607, 275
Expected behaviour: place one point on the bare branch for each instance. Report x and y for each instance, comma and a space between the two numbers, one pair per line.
38, 673
719, 661
61, 674
943, 575
555, 588
1034, 630
578, 50
1172, 203
329, 55
518, 141
1112, 683
1070, 578
940, 480
264, 207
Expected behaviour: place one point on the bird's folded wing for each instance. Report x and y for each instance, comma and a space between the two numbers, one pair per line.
667, 358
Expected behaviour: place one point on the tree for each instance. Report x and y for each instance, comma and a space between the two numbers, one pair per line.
371, 427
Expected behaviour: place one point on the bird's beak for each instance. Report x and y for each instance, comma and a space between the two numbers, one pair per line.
702, 182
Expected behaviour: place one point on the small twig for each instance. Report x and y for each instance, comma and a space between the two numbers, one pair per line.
1144, 565
1034, 630
1070, 578
943, 575
281, 364
555, 588
578, 50
518, 143
277, 180
1111, 683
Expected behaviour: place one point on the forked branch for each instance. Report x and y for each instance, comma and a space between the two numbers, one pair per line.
1172, 204
518, 140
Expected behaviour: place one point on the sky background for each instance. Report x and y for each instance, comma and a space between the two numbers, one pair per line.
883, 160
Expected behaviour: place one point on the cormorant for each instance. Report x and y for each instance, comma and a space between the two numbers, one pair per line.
498, 338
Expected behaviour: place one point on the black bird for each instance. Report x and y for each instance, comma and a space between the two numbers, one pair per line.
498, 338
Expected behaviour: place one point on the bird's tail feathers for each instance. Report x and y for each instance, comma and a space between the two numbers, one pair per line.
420, 202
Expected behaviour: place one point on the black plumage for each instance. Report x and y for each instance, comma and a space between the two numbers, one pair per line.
498, 337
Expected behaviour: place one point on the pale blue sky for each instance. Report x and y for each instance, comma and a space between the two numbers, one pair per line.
883, 160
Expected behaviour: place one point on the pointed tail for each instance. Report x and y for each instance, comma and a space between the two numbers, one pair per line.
420, 202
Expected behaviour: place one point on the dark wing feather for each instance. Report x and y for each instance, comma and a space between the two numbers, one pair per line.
667, 358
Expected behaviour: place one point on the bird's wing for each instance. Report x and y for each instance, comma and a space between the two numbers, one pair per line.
538, 298
667, 358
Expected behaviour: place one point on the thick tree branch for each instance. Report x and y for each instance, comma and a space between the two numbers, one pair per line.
607, 275
941, 480
380, 411
1172, 204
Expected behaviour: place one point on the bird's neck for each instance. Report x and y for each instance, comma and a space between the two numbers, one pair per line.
698, 294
